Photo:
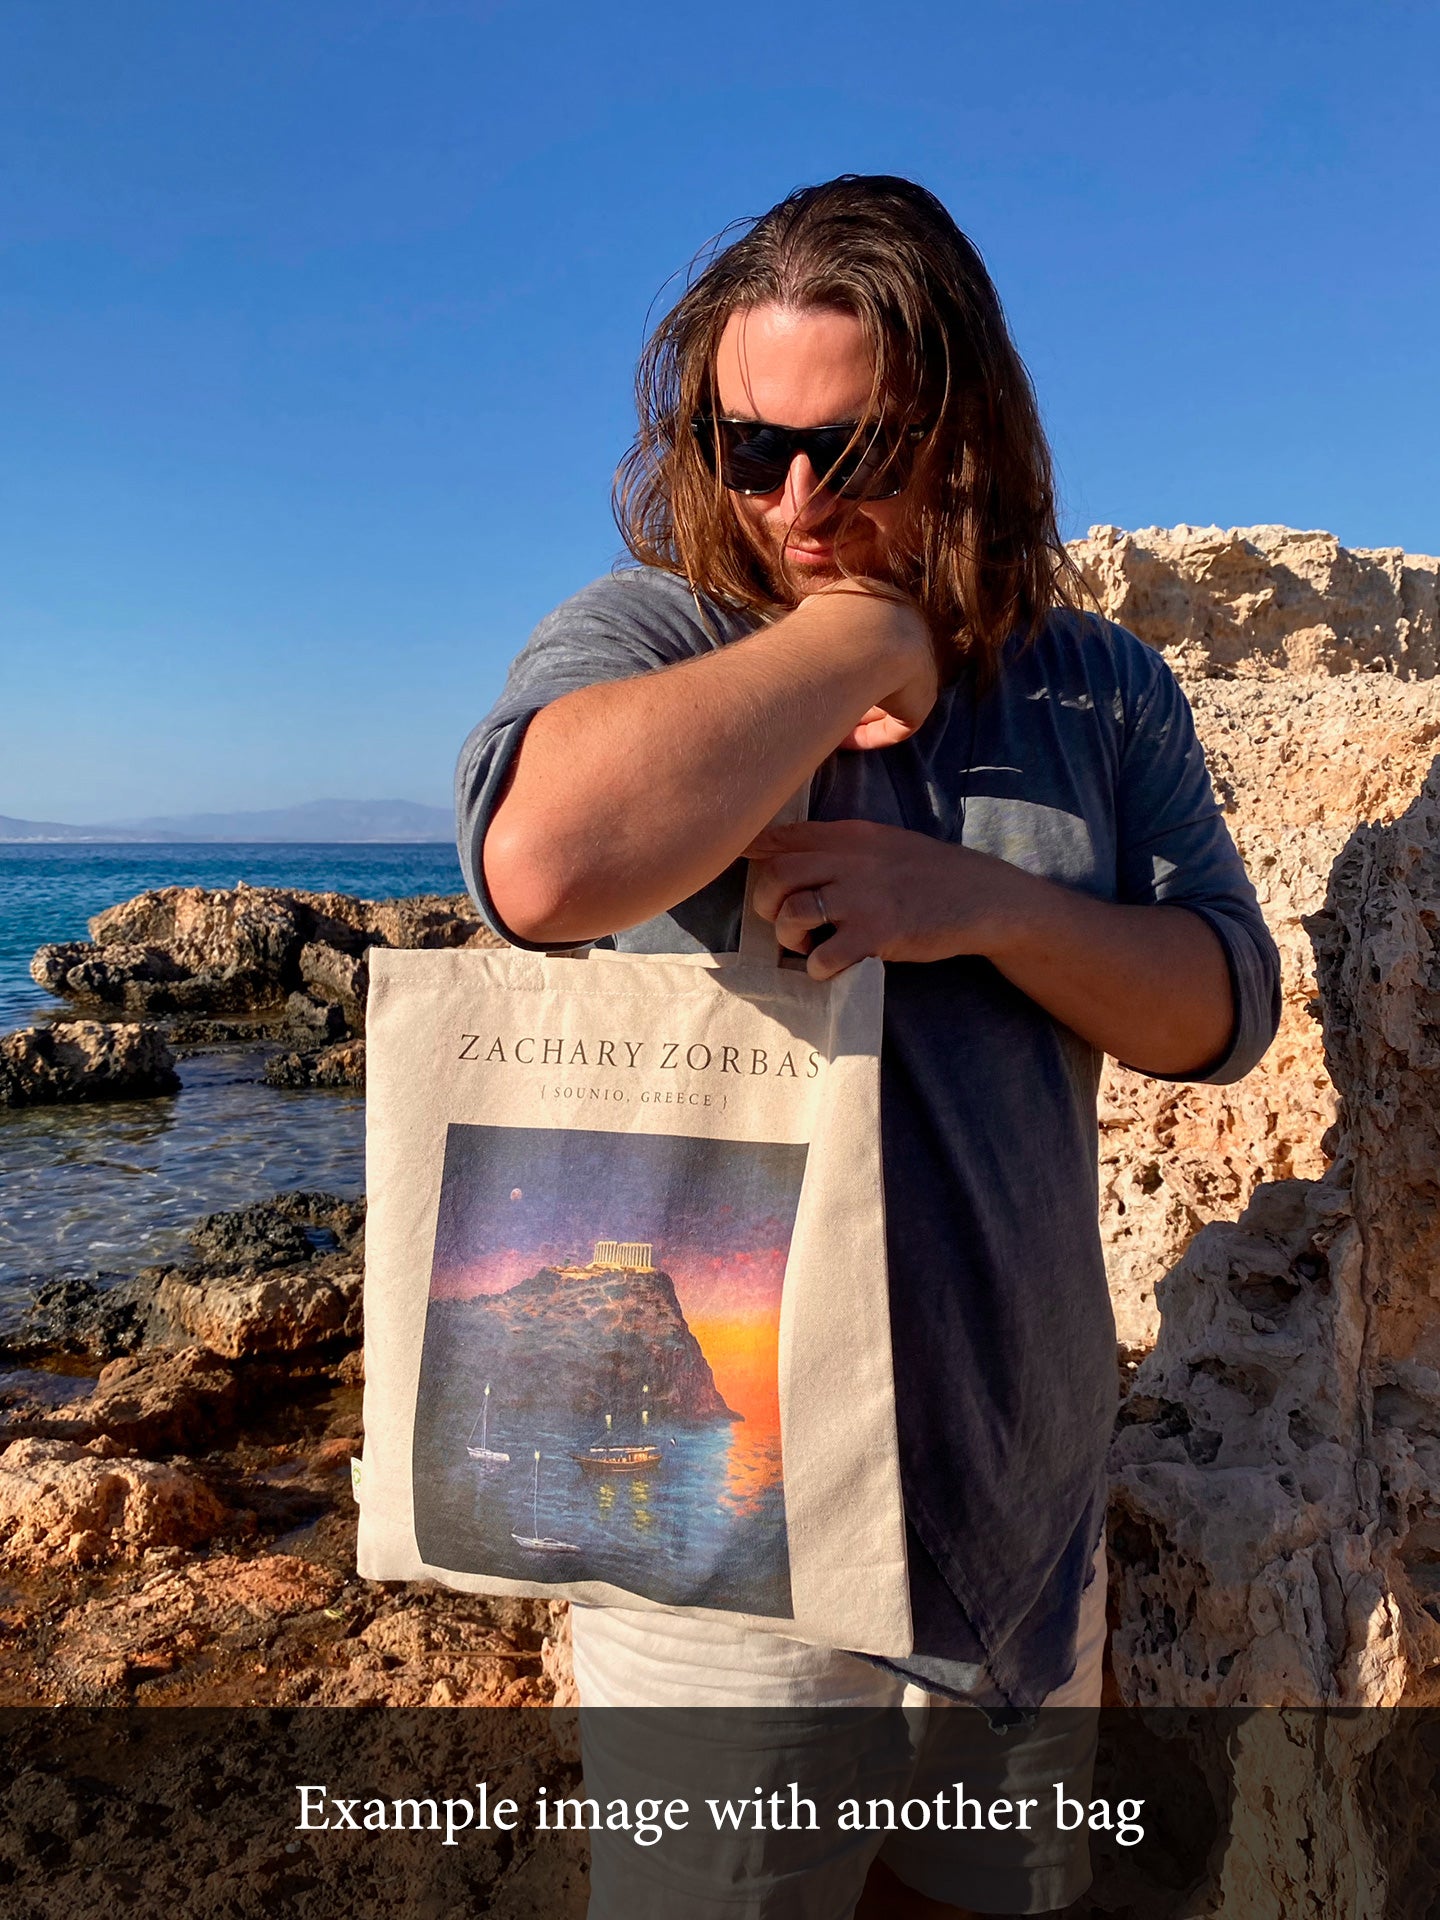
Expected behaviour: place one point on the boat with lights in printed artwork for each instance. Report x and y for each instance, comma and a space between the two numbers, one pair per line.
610, 1456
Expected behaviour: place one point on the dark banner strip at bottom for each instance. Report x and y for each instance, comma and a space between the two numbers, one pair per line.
1153, 1814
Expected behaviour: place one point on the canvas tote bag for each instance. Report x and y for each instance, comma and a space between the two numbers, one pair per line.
627, 1324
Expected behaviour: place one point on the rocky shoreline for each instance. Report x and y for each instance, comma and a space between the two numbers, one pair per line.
177, 1523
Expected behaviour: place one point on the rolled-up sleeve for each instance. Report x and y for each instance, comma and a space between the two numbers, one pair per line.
622, 625
1174, 849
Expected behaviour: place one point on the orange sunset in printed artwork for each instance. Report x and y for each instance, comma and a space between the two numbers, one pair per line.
744, 1356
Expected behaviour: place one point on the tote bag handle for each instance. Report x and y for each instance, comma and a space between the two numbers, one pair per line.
757, 936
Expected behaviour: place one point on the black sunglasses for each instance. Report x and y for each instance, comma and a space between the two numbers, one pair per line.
853, 461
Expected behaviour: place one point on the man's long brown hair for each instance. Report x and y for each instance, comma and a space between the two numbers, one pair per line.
984, 556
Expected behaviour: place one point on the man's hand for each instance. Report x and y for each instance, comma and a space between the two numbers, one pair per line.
1148, 984
888, 893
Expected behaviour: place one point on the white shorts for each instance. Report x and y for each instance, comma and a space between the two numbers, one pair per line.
632, 1659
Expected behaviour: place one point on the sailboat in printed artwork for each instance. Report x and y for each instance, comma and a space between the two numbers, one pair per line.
536, 1542
487, 1455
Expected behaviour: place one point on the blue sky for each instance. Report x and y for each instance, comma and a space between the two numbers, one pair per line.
317, 322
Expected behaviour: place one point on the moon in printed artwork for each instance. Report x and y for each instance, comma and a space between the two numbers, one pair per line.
516, 1194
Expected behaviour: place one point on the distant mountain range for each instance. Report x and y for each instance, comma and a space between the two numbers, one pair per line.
325, 822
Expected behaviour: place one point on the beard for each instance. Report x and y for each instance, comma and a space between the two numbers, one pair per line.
791, 580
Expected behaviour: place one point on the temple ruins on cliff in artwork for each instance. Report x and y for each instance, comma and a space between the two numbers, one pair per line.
624, 1256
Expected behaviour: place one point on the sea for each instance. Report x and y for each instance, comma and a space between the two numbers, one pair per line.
114, 1186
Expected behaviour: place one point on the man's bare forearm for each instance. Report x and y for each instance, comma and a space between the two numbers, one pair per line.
1146, 984
630, 795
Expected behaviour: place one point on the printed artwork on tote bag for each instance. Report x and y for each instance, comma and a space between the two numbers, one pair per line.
599, 1384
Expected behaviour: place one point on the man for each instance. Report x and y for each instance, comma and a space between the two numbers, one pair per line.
841, 500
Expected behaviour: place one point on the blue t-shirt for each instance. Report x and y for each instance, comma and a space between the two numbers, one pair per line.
1080, 764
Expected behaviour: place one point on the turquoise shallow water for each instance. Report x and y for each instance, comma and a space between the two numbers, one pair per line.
114, 1186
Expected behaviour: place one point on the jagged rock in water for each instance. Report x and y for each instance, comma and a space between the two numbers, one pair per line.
250, 1238
332, 975
279, 1277
231, 1298
104, 1317
282, 1231
204, 952
313, 1022
246, 1316
79, 970
52, 962
84, 1060
342, 1065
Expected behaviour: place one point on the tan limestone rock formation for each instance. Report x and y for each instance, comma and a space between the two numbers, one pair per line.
280, 1277
1377, 945
249, 1315
247, 950
152, 1402
240, 929
162, 1402
1310, 669
1276, 1518
332, 975
1250, 600
1234, 1466
60, 1503
117, 976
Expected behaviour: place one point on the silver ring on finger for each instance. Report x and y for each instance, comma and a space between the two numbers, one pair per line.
821, 908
